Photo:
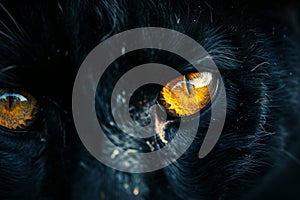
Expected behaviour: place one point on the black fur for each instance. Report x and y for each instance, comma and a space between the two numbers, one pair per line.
43, 43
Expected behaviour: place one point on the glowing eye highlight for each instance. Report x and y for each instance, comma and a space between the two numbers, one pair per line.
17, 109
187, 95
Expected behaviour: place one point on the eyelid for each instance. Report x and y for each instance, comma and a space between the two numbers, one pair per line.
189, 68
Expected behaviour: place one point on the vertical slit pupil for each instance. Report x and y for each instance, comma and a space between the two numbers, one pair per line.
188, 84
10, 101
10, 98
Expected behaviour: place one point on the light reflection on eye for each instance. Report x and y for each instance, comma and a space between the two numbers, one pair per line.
188, 94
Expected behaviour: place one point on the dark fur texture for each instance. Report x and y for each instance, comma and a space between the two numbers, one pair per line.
42, 45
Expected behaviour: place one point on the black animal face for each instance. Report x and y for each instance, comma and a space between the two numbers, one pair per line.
42, 45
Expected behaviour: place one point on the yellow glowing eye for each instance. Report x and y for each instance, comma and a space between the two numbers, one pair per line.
17, 109
187, 95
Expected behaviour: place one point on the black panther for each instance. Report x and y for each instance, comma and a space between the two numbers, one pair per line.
42, 46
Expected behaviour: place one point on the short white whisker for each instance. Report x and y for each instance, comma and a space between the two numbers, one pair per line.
291, 156
13, 19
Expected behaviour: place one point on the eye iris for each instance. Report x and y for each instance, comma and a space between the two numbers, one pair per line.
188, 94
16, 110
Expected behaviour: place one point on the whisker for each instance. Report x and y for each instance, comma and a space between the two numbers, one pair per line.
12, 18
291, 156
6, 27
8, 36
8, 68
60, 7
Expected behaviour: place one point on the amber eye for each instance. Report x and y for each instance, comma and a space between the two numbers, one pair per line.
17, 109
187, 95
